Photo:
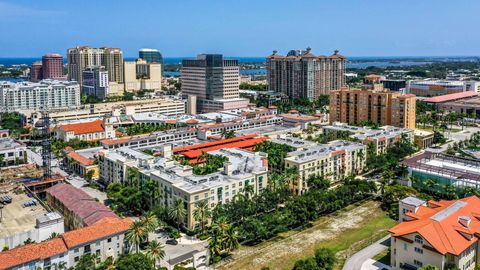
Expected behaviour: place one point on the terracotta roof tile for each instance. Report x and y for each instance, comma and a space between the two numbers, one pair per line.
101, 229
31, 252
439, 224
83, 128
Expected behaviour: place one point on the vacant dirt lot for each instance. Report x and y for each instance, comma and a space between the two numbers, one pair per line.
342, 232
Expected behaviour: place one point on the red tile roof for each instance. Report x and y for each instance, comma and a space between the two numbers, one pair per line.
101, 229
84, 128
31, 252
80, 203
39, 251
80, 159
451, 97
439, 224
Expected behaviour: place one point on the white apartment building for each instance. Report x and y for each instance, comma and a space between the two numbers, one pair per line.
106, 238
381, 139
33, 96
244, 168
334, 161
12, 152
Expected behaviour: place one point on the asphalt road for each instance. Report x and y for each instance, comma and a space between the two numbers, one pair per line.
356, 260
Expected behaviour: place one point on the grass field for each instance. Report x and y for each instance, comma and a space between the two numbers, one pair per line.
345, 232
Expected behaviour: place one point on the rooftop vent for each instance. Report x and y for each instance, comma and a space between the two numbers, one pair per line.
464, 220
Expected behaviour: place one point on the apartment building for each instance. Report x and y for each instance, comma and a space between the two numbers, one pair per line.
176, 181
77, 207
429, 88
141, 75
301, 74
381, 139
12, 152
34, 96
438, 233
334, 161
85, 131
82, 57
377, 105
164, 105
214, 81
105, 238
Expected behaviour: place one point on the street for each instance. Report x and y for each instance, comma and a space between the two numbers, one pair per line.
356, 261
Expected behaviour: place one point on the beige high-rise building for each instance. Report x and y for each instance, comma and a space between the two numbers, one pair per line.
83, 57
301, 74
140, 75
372, 104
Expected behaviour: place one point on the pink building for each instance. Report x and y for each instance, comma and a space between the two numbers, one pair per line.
52, 66
36, 72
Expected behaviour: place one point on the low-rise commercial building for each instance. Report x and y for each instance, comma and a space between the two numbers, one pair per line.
34, 96
444, 170
334, 161
85, 131
12, 152
77, 207
105, 238
429, 88
422, 138
82, 162
381, 139
164, 105
443, 234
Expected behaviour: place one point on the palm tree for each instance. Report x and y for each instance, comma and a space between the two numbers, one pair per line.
136, 234
202, 213
155, 252
230, 241
53, 235
177, 212
150, 222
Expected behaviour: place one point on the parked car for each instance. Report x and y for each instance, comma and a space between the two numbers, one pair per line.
172, 242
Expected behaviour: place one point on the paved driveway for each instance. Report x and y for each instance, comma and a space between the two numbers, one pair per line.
356, 261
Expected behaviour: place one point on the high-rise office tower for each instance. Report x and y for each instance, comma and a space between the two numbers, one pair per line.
83, 57
151, 55
36, 71
52, 66
301, 74
95, 82
214, 81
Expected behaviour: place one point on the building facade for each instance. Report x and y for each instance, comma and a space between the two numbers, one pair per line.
82, 57
214, 81
52, 66
429, 88
12, 152
106, 238
36, 72
334, 161
141, 75
33, 96
244, 173
301, 74
95, 82
151, 55
379, 106
443, 234
85, 131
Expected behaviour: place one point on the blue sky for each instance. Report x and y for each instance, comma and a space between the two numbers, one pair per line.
242, 27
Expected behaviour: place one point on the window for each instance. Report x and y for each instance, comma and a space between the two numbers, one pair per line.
418, 250
418, 263
109, 240
75, 250
418, 239
76, 259
405, 247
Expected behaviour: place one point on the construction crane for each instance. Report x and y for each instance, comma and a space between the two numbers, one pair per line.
46, 144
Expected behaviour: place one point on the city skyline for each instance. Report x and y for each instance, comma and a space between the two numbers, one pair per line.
246, 29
